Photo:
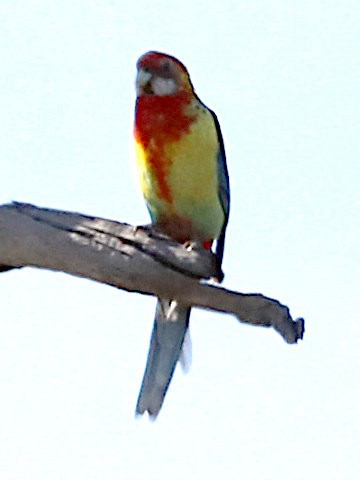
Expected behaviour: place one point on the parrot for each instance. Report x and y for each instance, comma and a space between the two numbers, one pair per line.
184, 179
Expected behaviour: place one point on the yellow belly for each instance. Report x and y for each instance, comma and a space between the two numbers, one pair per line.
191, 174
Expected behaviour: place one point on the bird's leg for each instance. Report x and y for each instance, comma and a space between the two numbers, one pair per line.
192, 245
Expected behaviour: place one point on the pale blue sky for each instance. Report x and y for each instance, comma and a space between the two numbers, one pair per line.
283, 78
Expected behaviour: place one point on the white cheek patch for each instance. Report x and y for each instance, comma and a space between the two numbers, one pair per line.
164, 86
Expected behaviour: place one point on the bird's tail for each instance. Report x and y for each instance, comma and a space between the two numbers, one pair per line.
170, 326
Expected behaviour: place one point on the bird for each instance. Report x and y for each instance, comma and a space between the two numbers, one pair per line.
184, 179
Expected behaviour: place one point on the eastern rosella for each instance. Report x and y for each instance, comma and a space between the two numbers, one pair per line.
184, 179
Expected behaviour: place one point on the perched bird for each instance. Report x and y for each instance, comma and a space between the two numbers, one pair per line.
184, 180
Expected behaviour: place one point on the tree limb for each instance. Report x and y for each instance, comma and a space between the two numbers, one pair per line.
137, 259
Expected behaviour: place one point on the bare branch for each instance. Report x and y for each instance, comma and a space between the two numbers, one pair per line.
136, 259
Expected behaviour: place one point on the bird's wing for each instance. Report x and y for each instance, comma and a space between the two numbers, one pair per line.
224, 189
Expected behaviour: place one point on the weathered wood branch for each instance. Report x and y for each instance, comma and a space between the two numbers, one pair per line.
137, 259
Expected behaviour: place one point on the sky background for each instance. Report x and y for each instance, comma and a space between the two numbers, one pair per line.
283, 77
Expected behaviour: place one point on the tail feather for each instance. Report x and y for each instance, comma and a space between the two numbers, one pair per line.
185, 359
170, 326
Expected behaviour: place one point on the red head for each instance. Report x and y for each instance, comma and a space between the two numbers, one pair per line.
161, 75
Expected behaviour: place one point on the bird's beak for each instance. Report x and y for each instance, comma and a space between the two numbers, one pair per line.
143, 82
